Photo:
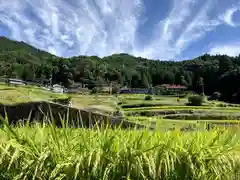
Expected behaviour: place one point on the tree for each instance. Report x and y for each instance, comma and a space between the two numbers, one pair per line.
201, 84
205, 74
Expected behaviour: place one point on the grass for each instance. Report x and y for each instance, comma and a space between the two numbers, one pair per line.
44, 152
135, 100
183, 108
105, 102
21, 94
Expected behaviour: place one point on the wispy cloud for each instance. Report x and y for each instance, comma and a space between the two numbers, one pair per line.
227, 17
104, 27
97, 27
199, 27
162, 46
178, 31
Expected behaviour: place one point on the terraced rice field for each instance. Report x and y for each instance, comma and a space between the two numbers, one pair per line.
22, 94
181, 116
46, 152
135, 107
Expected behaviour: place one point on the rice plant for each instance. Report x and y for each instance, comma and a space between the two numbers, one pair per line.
46, 152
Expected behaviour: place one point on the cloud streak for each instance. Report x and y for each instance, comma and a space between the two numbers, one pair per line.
105, 27
227, 17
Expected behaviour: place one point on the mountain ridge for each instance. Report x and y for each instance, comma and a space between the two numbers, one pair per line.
3, 38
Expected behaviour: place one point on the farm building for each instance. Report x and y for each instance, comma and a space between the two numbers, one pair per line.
136, 91
77, 88
175, 88
57, 88
15, 82
34, 83
172, 88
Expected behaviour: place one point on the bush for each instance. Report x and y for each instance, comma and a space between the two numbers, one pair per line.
63, 101
148, 97
94, 90
147, 113
115, 89
196, 100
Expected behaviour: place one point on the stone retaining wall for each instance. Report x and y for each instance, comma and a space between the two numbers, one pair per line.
41, 111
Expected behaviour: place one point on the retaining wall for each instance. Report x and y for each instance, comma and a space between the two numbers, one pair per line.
54, 113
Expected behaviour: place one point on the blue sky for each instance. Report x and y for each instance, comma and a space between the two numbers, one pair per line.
156, 29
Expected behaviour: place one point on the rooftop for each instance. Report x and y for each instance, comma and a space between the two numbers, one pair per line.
175, 86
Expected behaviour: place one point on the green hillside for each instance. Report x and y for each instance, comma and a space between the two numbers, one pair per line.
215, 73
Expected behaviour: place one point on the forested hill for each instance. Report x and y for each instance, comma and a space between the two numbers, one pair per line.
217, 73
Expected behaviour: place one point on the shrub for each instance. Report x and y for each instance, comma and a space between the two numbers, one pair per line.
222, 105
94, 90
115, 89
196, 100
63, 101
146, 113
148, 97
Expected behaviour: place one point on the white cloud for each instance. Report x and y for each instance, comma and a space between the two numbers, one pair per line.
162, 45
199, 27
227, 17
104, 27
232, 49
175, 36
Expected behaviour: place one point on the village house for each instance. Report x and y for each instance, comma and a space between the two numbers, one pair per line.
15, 82
175, 88
57, 88
135, 91
77, 88
170, 88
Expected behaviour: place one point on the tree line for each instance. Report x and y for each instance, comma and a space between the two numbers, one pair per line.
219, 73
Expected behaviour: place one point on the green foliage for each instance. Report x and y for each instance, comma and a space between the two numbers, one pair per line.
148, 98
94, 90
115, 89
62, 100
196, 100
205, 74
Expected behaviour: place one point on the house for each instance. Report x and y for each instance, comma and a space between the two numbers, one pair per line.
15, 82
57, 88
170, 88
175, 88
135, 91
34, 83
77, 88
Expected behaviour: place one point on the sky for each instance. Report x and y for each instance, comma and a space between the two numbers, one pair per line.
154, 29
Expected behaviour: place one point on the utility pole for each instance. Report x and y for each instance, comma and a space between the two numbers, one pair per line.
50, 80
111, 88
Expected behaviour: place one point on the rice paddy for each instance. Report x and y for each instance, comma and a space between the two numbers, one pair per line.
48, 153
182, 146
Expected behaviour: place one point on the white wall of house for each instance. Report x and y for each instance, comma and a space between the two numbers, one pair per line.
57, 89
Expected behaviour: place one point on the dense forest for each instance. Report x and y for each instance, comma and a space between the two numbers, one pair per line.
218, 73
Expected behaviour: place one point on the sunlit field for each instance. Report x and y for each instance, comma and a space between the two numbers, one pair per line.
180, 147
45, 152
